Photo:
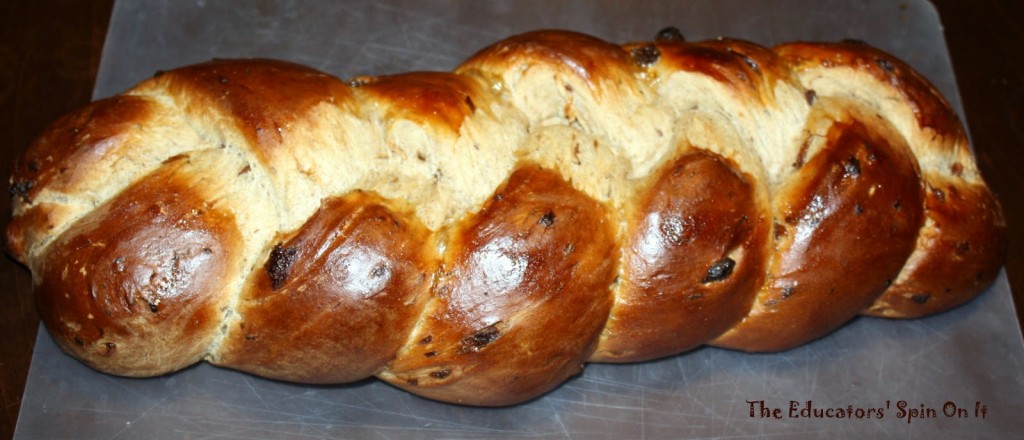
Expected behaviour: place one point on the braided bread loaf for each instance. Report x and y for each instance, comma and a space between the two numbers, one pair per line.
477, 236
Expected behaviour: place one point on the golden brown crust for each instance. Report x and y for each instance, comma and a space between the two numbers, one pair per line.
498, 329
958, 254
589, 59
67, 152
852, 213
930, 109
335, 302
694, 261
748, 68
477, 236
135, 287
427, 98
263, 97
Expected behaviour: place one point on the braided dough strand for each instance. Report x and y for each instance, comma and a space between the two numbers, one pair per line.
478, 236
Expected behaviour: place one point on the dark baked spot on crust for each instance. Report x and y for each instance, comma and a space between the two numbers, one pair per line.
719, 271
886, 65
746, 59
548, 219
778, 231
379, 271
852, 167
441, 374
801, 156
20, 188
480, 339
645, 56
963, 247
788, 291
921, 299
279, 264
810, 96
670, 33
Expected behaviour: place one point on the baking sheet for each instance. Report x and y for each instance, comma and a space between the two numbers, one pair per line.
969, 359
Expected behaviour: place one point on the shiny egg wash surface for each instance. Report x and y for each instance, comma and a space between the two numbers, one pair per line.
852, 214
958, 253
696, 245
59, 159
263, 96
334, 302
496, 329
735, 195
108, 279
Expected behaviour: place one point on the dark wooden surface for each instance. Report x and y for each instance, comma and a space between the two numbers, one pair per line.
49, 53
50, 50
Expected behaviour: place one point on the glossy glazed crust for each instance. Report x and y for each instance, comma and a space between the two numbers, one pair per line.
349, 287
477, 236
138, 286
